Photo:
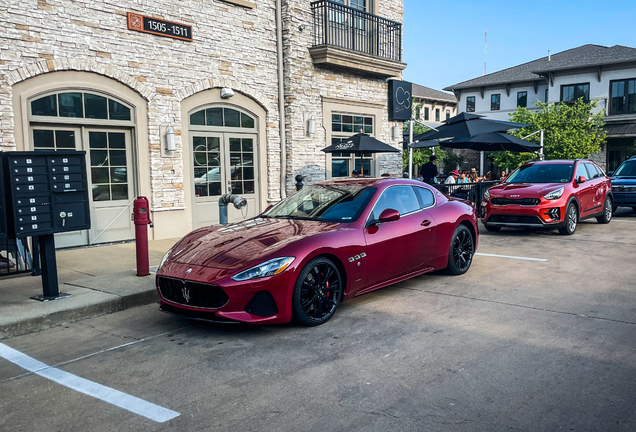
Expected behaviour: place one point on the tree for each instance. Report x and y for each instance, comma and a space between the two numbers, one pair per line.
570, 132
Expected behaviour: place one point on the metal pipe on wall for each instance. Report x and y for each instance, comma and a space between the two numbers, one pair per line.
281, 99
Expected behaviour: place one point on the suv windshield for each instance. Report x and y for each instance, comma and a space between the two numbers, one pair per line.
542, 173
342, 203
627, 169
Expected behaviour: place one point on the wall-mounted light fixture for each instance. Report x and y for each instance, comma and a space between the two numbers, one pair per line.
396, 133
171, 144
311, 126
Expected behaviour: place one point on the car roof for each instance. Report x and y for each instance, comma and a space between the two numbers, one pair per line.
370, 181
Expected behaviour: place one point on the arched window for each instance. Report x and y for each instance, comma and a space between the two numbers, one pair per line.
80, 105
223, 117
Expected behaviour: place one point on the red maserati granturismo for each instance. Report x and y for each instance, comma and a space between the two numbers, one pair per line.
327, 243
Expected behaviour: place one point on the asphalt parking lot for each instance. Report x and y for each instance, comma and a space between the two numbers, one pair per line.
542, 341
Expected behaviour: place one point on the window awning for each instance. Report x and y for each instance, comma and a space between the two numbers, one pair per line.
617, 130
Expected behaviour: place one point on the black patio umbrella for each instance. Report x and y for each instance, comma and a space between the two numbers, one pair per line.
468, 125
494, 141
361, 143
424, 144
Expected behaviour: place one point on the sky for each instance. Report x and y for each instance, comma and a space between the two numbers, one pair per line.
444, 39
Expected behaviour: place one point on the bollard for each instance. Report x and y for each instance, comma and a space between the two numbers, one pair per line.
141, 217
299, 182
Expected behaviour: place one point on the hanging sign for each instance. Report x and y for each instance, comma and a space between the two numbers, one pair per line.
159, 27
400, 100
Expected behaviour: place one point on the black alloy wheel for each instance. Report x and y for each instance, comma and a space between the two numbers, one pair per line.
606, 217
462, 249
317, 292
571, 219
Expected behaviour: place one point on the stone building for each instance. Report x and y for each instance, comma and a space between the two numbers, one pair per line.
185, 118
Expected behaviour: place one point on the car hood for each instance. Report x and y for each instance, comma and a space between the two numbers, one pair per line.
624, 180
524, 190
234, 246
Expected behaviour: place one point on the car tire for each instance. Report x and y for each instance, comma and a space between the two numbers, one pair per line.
491, 228
607, 212
317, 292
461, 251
571, 220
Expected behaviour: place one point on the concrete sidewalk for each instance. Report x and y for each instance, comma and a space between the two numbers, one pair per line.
100, 279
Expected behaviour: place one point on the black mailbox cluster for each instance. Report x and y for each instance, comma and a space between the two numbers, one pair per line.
46, 192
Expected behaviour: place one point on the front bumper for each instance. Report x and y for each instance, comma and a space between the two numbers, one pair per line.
624, 199
546, 214
210, 294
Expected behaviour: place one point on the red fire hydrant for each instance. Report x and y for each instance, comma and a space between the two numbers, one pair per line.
141, 217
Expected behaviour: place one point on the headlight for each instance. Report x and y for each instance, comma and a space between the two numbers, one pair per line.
268, 268
165, 258
486, 195
555, 194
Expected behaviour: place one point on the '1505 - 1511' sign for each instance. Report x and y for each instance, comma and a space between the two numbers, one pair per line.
159, 27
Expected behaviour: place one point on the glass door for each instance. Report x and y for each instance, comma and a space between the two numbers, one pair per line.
111, 182
223, 163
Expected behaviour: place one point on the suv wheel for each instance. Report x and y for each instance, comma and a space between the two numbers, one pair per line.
571, 219
606, 217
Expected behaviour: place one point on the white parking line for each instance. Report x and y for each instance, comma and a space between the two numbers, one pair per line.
98, 391
511, 257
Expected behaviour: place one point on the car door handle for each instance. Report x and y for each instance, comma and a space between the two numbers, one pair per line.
426, 222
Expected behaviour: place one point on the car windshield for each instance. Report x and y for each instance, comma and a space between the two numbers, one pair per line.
342, 203
627, 169
542, 173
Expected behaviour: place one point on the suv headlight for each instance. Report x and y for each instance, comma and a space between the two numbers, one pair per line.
486, 195
555, 194
268, 268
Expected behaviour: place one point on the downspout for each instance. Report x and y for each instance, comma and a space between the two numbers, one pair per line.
281, 99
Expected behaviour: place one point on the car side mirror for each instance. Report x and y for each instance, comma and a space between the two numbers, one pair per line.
389, 215
580, 179
610, 173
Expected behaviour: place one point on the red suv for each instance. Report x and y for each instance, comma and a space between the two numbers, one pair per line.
549, 194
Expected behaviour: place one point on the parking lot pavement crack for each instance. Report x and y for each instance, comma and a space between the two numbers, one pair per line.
76, 271
520, 306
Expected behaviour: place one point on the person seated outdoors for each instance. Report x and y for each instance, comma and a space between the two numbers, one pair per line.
472, 176
487, 177
452, 178
462, 178
504, 176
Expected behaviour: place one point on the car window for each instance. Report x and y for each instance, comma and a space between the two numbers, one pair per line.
581, 171
400, 198
593, 170
425, 196
542, 173
627, 169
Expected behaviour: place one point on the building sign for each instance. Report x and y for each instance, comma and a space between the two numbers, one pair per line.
159, 27
400, 100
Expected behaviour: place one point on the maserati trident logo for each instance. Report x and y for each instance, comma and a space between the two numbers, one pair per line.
185, 292
188, 271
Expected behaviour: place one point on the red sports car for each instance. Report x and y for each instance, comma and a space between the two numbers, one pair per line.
549, 194
326, 243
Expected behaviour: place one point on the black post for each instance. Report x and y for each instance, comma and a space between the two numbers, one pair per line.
35, 266
299, 182
50, 285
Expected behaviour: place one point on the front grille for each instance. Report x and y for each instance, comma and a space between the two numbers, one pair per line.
534, 220
192, 293
623, 189
516, 201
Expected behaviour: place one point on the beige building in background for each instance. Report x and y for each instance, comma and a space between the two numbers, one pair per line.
432, 106
77, 75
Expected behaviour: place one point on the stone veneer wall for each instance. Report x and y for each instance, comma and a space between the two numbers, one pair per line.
233, 46
305, 85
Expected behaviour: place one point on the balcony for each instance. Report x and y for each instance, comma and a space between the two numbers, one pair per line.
353, 39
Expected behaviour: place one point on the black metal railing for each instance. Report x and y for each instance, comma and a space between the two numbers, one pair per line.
16, 257
473, 192
345, 27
